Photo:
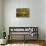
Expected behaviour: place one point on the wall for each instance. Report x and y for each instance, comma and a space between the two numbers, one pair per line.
45, 19
35, 19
